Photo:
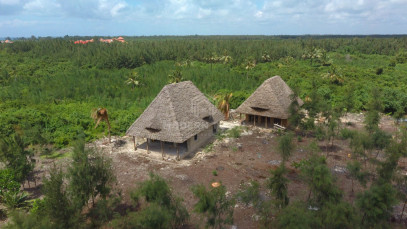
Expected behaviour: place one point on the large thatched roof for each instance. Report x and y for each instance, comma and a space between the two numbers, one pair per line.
271, 99
177, 113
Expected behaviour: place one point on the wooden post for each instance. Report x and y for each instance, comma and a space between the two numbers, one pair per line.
162, 149
147, 145
134, 142
254, 118
178, 152
266, 122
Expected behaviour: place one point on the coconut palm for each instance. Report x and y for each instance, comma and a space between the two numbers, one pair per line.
333, 75
100, 114
223, 103
250, 64
266, 57
313, 54
134, 80
175, 76
225, 59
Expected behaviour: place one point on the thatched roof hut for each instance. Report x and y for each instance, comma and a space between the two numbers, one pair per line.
272, 99
180, 111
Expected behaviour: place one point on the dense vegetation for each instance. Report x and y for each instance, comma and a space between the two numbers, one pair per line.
49, 88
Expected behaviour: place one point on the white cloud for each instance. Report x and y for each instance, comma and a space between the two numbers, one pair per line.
234, 16
17, 23
42, 7
9, 2
93, 9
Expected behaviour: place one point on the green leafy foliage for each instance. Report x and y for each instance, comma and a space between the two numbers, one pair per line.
16, 158
339, 215
7, 182
277, 183
22, 220
376, 204
103, 211
356, 173
90, 174
250, 194
320, 181
286, 146
214, 205
297, 215
164, 210
14, 200
49, 86
57, 202
235, 132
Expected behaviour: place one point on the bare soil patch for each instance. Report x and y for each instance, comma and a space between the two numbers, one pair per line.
236, 161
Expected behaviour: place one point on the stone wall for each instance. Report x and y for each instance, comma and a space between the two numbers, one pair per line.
201, 139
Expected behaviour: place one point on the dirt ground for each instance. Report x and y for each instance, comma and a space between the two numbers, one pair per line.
236, 162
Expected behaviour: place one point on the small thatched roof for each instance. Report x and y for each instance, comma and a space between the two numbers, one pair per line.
179, 112
271, 99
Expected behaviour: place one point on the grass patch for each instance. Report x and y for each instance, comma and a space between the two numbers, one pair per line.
208, 148
56, 155
235, 132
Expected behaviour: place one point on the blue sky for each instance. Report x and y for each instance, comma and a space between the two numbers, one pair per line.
203, 17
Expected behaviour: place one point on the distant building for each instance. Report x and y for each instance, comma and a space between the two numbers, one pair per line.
179, 116
7, 42
119, 39
269, 104
83, 42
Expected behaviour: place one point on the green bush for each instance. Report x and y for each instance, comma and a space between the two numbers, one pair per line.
215, 206
234, 132
160, 199
14, 200
238, 98
22, 220
103, 211
297, 215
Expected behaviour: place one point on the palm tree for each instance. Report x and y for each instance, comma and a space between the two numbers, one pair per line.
100, 114
225, 59
175, 76
266, 57
134, 80
333, 75
223, 103
250, 64
313, 54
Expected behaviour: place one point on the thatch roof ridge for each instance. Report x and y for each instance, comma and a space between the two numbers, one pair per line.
271, 99
180, 109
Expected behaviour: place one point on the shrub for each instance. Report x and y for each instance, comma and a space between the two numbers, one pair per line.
14, 200
238, 98
22, 220
376, 204
103, 211
214, 205
56, 201
208, 148
297, 215
234, 132
379, 71
158, 195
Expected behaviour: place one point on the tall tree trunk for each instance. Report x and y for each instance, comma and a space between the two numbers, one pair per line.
309, 194
402, 211
352, 185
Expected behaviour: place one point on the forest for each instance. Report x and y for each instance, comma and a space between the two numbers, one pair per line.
50, 86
